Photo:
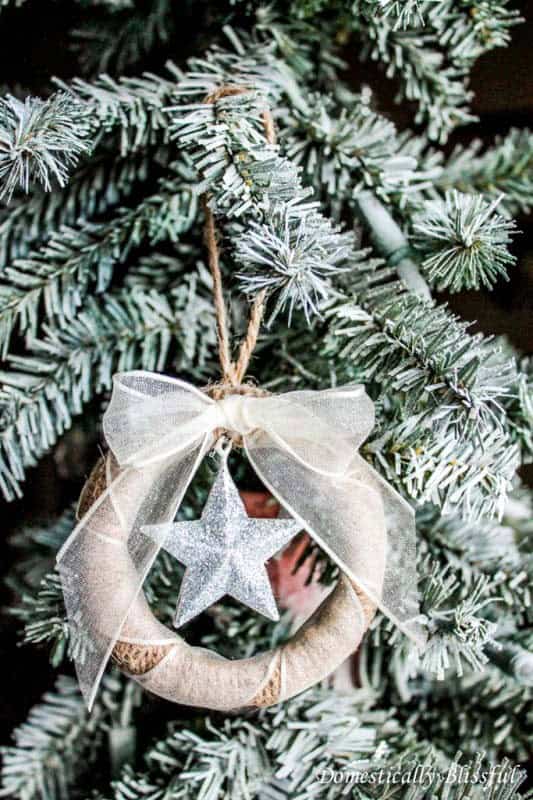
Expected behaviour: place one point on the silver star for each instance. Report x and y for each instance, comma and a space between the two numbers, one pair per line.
224, 552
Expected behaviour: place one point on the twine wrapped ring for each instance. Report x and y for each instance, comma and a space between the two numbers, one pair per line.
167, 666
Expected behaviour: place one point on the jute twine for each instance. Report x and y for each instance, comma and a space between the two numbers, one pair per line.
139, 659
233, 372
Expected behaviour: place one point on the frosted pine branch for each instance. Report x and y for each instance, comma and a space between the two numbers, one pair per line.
36, 545
99, 186
288, 246
45, 389
294, 255
446, 436
463, 242
39, 140
343, 146
56, 747
59, 274
458, 632
505, 168
52, 748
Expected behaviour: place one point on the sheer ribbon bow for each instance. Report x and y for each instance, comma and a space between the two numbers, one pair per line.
303, 446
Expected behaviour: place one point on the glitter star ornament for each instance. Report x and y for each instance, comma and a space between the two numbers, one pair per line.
224, 552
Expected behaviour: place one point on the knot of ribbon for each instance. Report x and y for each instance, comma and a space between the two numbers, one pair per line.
234, 413
303, 446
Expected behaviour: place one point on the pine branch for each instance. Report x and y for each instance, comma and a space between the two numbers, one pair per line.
134, 108
446, 438
97, 187
464, 242
60, 741
498, 705
163, 272
431, 50
75, 362
440, 363
40, 140
59, 275
505, 168
475, 599
247, 61
457, 631
458, 474
301, 253
43, 139
125, 39
52, 748
484, 551
519, 411
287, 245
46, 623
404, 13
469, 32
282, 750
438, 88
131, 107
226, 142
344, 146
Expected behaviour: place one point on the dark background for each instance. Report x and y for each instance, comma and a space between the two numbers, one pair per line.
34, 45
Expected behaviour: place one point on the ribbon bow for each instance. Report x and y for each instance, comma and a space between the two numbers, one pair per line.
303, 446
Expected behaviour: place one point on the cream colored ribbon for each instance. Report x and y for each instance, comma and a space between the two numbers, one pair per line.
303, 446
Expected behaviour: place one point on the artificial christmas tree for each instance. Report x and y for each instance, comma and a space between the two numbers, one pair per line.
340, 232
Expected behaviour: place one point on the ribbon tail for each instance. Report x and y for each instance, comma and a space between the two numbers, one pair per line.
106, 559
365, 527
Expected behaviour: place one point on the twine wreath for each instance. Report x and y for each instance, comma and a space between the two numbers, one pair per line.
194, 676
307, 435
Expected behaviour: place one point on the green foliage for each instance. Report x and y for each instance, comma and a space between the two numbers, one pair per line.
126, 38
444, 436
249, 179
52, 748
75, 361
39, 140
431, 48
283, 748
130, 107
497, 553
463, 242
438, 88
505, 168
95, 188
344, 146
61, 273
520, 410
226, 140
106, 272
36, 545
46, 621
457, 633
302, 251
486, 711
60, 741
